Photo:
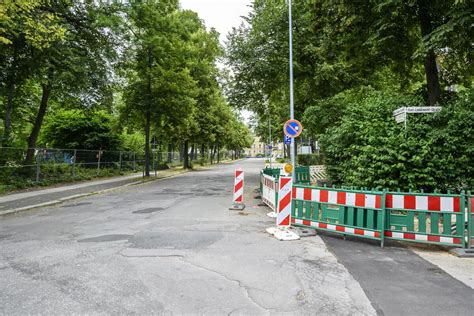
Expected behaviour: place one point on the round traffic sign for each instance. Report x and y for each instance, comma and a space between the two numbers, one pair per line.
288, 168
292, 128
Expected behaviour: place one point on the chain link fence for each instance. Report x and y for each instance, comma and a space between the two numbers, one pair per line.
51, 165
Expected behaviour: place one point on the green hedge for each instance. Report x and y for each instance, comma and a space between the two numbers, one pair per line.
367, 148
309, 160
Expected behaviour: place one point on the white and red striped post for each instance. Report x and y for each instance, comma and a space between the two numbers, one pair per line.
238, 200
283, 220
284, 202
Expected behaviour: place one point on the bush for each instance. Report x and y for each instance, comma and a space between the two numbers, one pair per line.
69, 129
309, 159
367, 148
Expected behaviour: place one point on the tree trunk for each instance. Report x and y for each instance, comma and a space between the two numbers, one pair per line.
186, 154
218, 154
30, 153
202, 151
431, 69
193, 147
147, 143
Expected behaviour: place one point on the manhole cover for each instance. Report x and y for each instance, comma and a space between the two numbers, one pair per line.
149, 210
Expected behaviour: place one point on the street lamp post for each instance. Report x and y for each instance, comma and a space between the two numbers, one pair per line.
292, 113
270, 143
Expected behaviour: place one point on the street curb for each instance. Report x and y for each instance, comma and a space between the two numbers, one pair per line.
77, 196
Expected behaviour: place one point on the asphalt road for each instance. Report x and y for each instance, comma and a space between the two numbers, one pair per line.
173, 247
169, 247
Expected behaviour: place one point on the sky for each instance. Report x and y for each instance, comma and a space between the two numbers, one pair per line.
220, 14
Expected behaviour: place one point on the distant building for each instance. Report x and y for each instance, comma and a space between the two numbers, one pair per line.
258, 148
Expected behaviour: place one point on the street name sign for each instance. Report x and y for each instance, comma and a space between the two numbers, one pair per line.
400, 114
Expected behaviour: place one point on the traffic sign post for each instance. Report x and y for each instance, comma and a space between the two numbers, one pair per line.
292, 128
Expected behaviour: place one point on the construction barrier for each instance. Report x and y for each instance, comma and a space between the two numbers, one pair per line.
353, 212
441, 219
302, 174
284, 202
269, 190
470, 220
426, 218
238, 197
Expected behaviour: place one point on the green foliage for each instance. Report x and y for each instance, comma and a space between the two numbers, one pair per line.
368, 148
134, 142
15, 179
69, 129
309, 159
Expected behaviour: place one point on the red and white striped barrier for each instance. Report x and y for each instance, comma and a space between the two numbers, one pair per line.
283, 220
337, 228
423, 237
284, 202
423, 203
269, 190
238, 200
362, 200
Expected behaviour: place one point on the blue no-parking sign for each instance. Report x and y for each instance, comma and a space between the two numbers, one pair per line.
292, 128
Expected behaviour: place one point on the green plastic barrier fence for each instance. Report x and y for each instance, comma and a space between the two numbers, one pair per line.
302, 174
470, 220
347, 212
416, 217
426, 218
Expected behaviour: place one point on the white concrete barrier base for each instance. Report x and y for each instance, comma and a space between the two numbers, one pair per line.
282, 233
272, 214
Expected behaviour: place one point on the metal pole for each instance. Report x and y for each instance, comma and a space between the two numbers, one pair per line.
292, 113
38, 162
120, 161
269, 136
98, 162
74, 163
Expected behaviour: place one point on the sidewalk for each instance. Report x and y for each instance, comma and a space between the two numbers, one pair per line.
17, 202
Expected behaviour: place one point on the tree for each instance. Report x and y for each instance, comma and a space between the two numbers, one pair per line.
25, 29
75, 67
160, 87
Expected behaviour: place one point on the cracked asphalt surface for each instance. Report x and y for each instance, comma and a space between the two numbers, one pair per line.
168, 247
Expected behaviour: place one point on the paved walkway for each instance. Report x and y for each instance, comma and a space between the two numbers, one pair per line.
42, 197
